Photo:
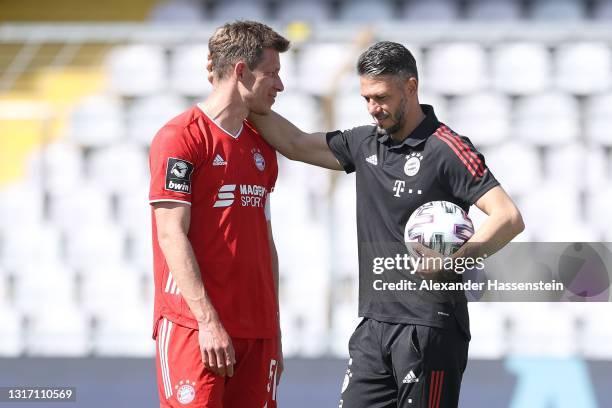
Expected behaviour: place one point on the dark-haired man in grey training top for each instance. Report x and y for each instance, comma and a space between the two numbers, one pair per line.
410, 350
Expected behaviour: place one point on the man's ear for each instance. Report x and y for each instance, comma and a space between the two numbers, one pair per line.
239, 69
411, 86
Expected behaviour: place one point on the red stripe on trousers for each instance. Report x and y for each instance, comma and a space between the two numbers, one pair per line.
439, 390
467, 151
459, 155
432, 386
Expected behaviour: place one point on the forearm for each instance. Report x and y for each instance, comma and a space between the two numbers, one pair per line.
186, 273
277, 131
498, 229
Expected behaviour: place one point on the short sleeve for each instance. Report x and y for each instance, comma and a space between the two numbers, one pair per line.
345, 144
463, 168
173, 159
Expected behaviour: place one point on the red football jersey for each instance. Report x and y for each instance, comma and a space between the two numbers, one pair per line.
226, 180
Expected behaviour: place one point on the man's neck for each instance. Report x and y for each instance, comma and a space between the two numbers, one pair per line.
414, 117
226, 108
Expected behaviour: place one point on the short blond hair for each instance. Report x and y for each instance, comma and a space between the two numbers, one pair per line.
242, 41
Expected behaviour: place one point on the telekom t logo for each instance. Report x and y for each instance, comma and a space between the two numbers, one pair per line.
398, 187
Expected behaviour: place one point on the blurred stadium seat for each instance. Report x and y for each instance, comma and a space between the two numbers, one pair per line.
300, 106
147, 115
350, 111
125, 333
493, 10
121, 168
544, 206
431, 10
547, 119
484, 117
362, 11
516, 166
325, 62
558, 10
603, 10
598, 119
314, 11
11, 331
241, 10
488, 329
584, 68
540, 329
456, 68
187, 67
97, 121
137, 70
512, 74
178, 11
58, 330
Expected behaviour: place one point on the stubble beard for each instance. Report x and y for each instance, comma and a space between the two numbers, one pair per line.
398, 118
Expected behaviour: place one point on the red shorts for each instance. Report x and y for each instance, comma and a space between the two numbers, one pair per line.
182, 379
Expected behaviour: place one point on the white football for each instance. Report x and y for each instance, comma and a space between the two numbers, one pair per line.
439, 225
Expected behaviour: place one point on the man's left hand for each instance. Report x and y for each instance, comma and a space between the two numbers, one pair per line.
432, 263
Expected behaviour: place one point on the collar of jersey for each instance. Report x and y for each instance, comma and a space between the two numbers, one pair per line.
219, 125
425, 129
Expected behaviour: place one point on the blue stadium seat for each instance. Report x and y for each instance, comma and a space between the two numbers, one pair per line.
240, 10
315, 11
558, 10
493, 11
365, 11
431, 10
178, 11
603, 10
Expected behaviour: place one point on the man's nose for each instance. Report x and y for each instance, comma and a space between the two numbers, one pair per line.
279, 85
373, 108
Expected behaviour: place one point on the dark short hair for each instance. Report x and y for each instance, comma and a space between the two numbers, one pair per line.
242, 40
387, 58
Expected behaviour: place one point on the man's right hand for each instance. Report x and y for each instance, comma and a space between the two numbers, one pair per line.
216, 348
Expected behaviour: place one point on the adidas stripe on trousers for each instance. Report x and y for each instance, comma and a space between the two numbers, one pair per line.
404, 365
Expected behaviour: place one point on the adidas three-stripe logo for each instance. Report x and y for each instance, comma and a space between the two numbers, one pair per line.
218, 161
410, 378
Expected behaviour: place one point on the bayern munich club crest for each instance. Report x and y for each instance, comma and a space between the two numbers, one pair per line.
413, 164
259, 160
185, 392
